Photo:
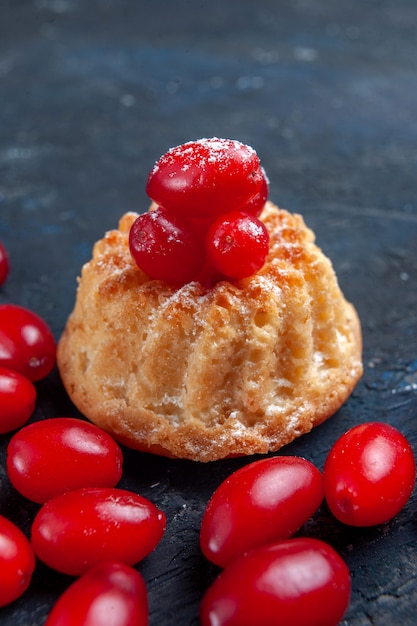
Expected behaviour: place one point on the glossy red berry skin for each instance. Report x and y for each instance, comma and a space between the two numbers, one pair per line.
49, 457
116, 587
166, 247
369, 474
298, 582
237, 245
4, 264
26, 342
17, 400
205, 178
255, 205
80, 528
275, 496
17, 562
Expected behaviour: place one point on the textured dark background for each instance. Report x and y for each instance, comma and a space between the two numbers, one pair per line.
92, 93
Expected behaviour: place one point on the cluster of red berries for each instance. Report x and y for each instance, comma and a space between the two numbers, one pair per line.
208, 195
249, 525
86, 526
27, 354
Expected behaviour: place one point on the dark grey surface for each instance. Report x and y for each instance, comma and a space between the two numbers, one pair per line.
93, 92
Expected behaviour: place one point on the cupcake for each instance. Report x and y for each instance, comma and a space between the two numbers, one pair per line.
212, 325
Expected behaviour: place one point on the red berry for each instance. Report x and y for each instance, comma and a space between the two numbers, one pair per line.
275, 496
298, 582
166, 247
26, 342
4, 264
237, 244
369, 474
257, 203
109, 594
205, 178
74, 531
17, 562
17, 400
47, 458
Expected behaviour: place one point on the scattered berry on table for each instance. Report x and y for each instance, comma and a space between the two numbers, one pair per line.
26, 342
4, 264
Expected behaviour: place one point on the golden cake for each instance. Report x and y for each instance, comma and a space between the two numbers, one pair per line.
204, 373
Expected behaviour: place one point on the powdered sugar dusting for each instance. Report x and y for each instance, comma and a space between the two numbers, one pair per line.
269, 285
206, 152
186, 295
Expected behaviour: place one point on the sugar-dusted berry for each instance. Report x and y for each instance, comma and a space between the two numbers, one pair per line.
205, 178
